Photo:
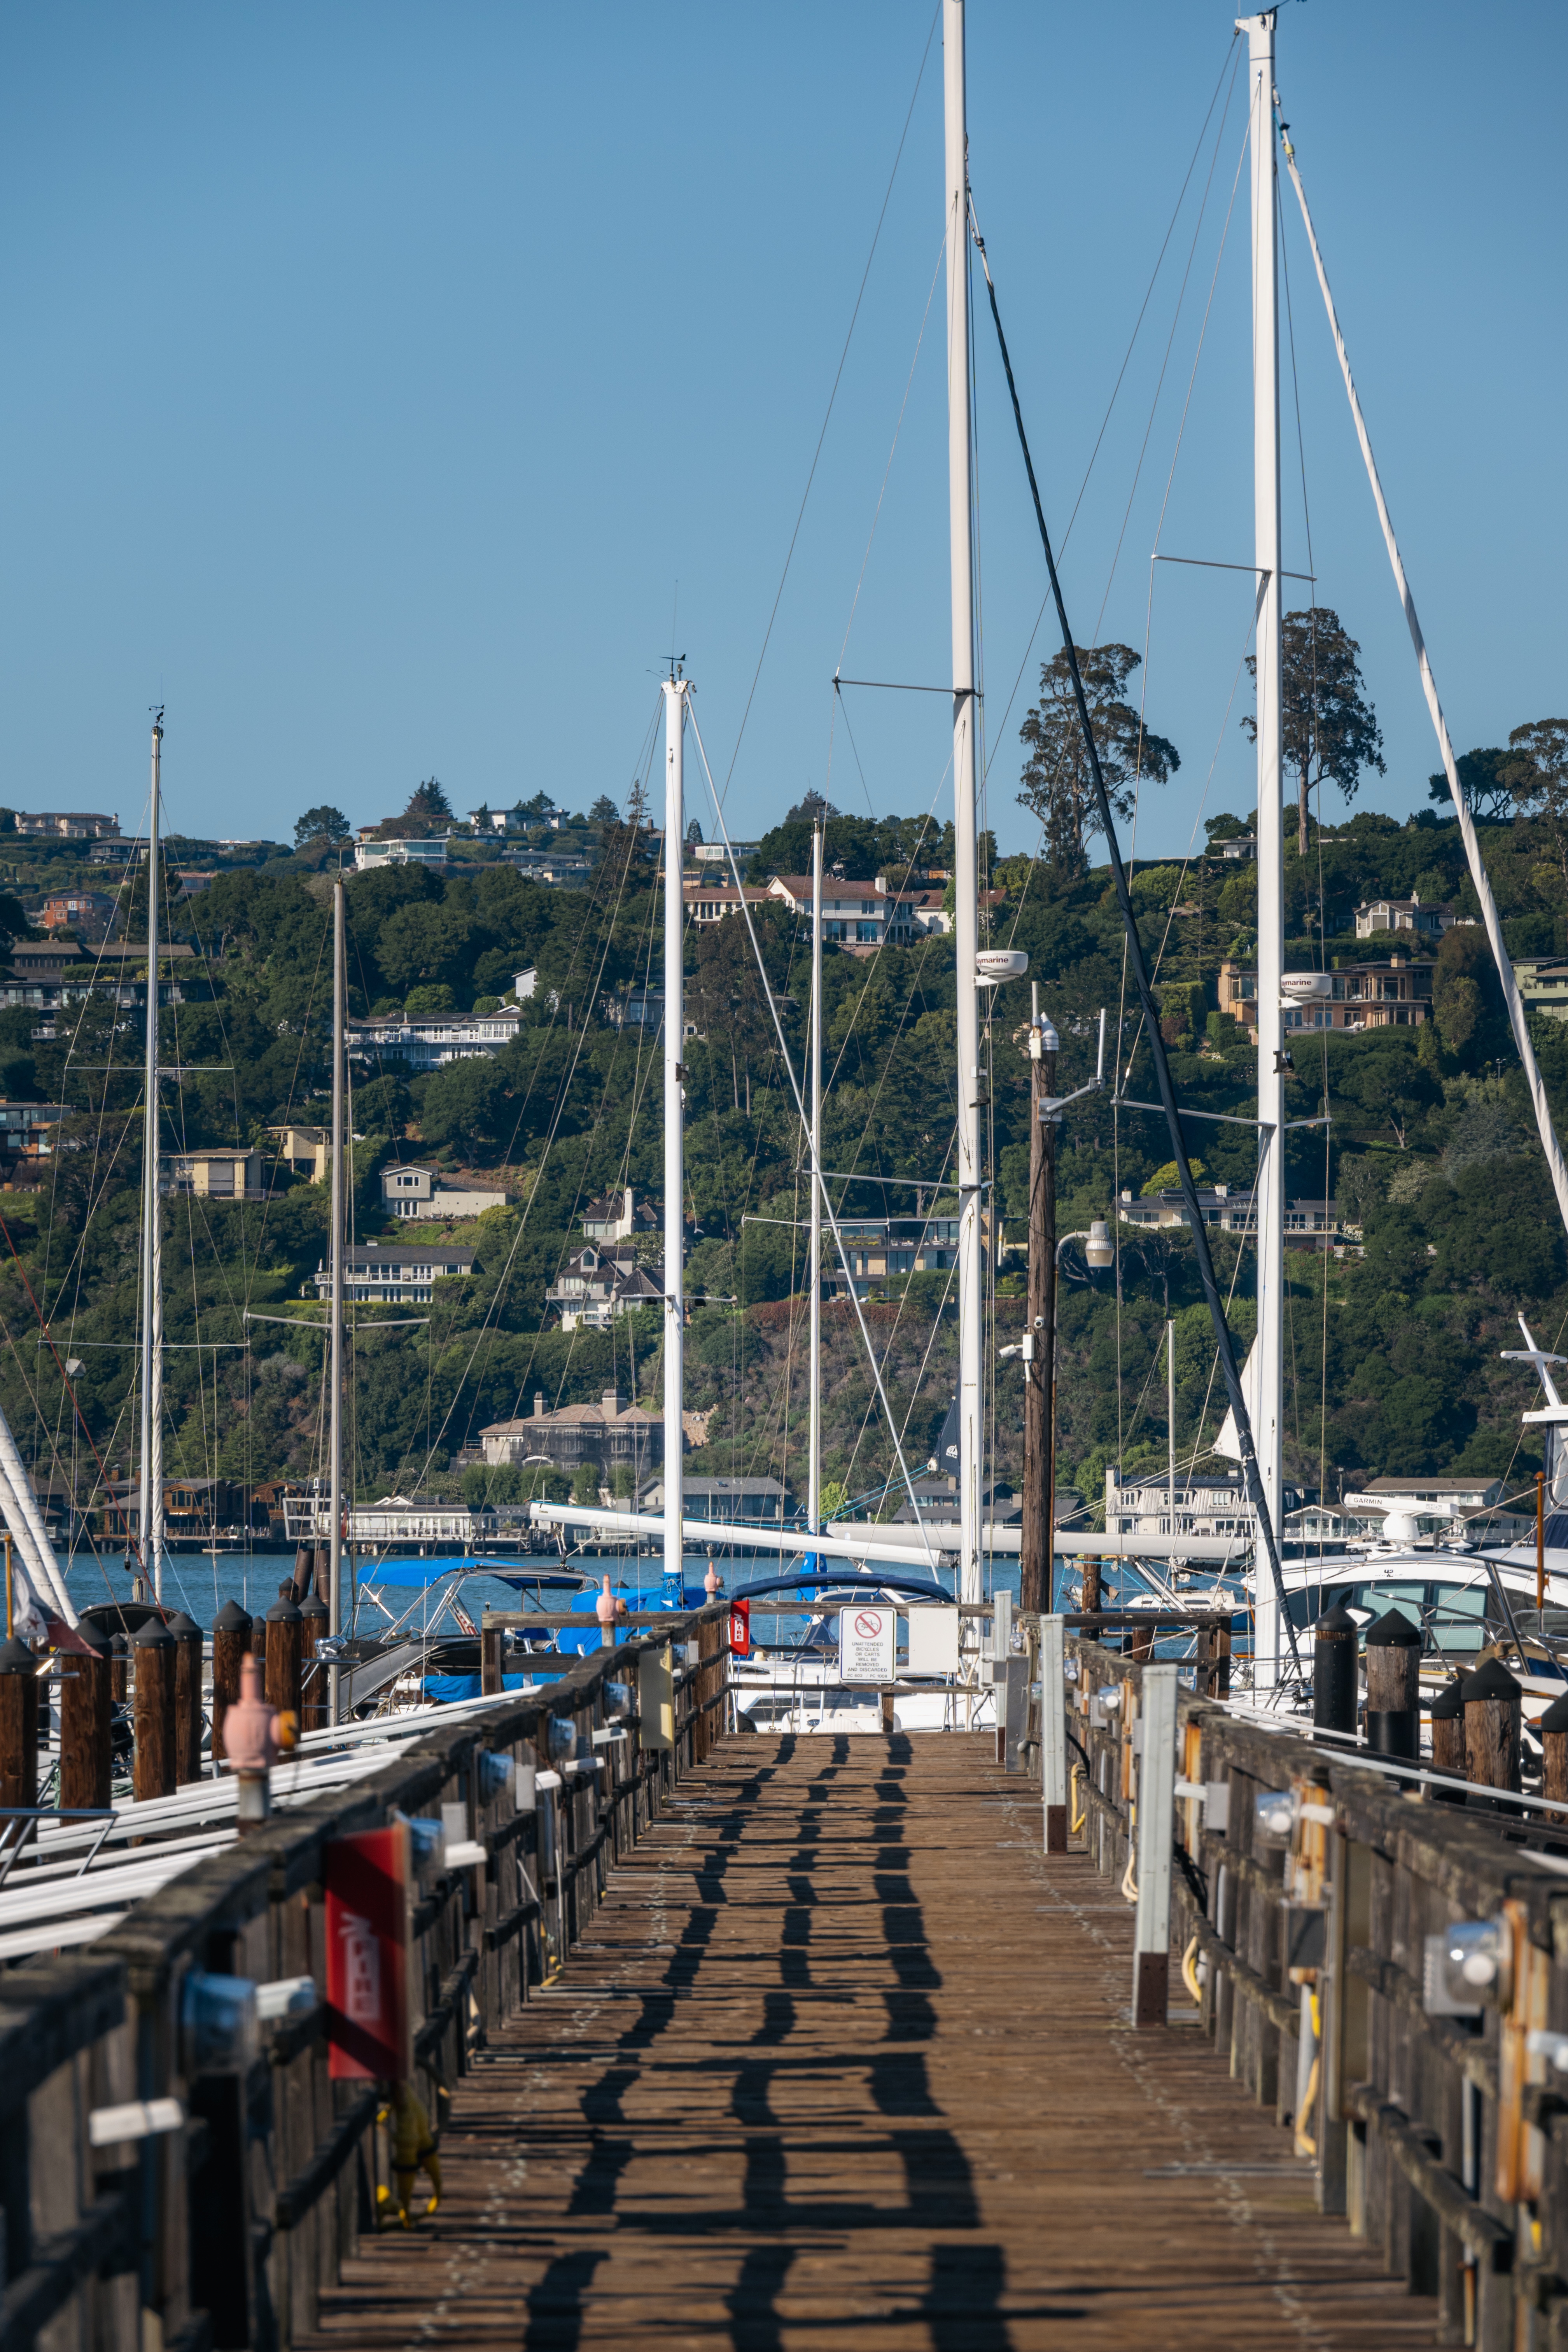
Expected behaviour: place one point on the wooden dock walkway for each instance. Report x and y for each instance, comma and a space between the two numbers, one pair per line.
844, 2057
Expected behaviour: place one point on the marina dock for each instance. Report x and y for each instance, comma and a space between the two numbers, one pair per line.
843, 2059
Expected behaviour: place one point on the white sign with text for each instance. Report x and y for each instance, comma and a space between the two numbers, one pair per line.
867, 1639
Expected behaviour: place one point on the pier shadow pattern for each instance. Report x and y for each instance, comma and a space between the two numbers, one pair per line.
844, 2059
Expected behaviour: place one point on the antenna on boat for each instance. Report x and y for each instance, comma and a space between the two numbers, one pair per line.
966, 940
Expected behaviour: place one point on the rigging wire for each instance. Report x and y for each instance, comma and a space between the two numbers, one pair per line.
1156, 1043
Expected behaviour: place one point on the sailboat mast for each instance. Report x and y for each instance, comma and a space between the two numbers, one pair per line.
335, 1341
151, 1518
966, 875
1269, 1200
814, 1470
675, 692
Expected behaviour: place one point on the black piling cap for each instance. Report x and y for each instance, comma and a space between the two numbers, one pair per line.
118, 1646
95, 1638
1334, 1624
283, 1612
1449, 1704
182, 1627
1556, 1715
1393, 1630
232, 1619
1492, 1681
153, 1636
317, 1610
16, 1658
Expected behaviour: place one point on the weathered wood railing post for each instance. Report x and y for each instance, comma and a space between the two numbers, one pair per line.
153, 1649
232, 1628
1493, 1707
187, 1638
85, 1757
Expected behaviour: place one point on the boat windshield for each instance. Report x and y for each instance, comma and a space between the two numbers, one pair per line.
1451, 1617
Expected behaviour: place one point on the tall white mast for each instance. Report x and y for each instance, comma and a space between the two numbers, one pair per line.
335, 1342
965, 883
813, 1471
1269, 1206
152, 1472
675, 692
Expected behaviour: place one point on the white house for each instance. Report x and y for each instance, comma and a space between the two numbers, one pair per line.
400, 1276
400, 853
413, 1190
424, 1041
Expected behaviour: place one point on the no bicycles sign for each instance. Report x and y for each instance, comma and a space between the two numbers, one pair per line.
866, 1644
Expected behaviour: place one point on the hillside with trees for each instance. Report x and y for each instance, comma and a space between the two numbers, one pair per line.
1393, 1357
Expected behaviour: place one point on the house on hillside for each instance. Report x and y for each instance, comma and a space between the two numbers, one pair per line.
369, 854
599, 1283
613, 1434
1396, 994
426, 1041
413, 1190
83, 910
727, 1502
1231, 1209
69, 824
400, 1277
1403, 915
868, 915
620, 1216
217, 1175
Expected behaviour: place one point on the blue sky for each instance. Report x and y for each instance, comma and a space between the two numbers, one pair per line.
374, 373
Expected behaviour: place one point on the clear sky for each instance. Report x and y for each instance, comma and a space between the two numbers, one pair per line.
379, 376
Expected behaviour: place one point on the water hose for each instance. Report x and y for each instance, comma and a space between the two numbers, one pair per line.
1190, 1974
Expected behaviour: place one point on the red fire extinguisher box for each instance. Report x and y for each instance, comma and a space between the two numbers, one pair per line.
368, 2033
740, 1628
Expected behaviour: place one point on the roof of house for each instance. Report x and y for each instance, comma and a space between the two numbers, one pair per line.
371, 1254
578, 1416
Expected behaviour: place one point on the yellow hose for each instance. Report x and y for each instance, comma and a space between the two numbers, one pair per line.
1190, 1974
1078, 1819
1129, 1883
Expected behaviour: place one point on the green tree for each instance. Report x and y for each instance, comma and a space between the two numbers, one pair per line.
322, 823
1330, 731
1487, 793
1535, 770
1057, 784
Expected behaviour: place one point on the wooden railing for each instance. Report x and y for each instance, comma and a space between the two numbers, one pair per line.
213, 2207
1307, 1930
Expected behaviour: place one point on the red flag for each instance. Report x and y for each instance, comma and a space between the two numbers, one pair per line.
367, 1957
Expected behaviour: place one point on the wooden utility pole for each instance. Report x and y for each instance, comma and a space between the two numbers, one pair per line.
1039, 1337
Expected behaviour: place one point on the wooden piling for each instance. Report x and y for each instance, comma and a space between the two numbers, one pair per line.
84, 1702
1448, 1739
1553, 1729
1393, 1686
119, 1657
153, 1648
284, 1627
1335, 1685
315, 1617
187, 1636
18, 1725
491, 1654
232, 1632
1494, 1703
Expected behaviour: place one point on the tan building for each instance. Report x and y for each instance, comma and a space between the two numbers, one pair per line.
613, 1434
216, 1175
1396, 994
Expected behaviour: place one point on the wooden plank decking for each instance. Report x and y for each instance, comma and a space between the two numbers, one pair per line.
843, 2059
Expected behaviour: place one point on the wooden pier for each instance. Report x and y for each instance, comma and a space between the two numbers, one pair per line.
842, 2057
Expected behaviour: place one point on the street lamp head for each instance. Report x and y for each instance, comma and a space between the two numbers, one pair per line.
1099, 1250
